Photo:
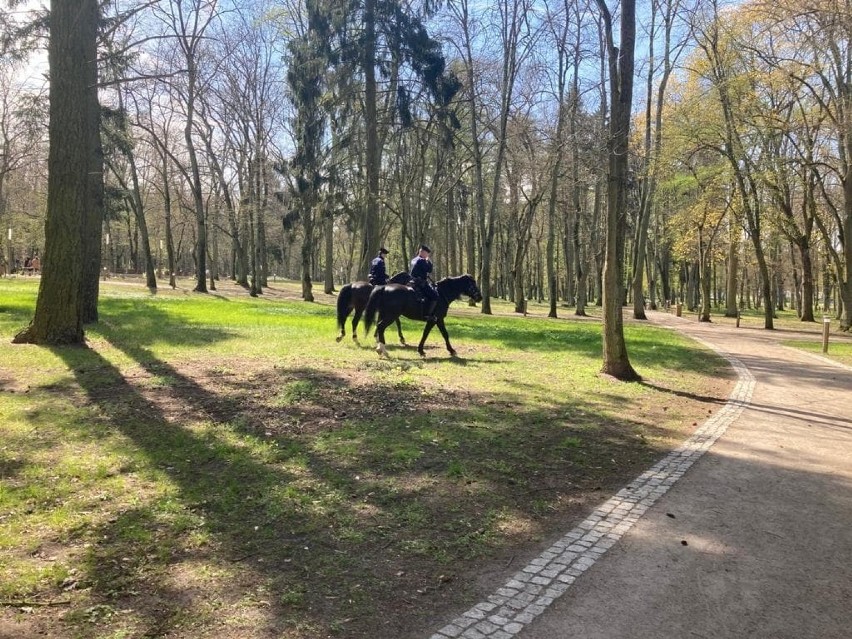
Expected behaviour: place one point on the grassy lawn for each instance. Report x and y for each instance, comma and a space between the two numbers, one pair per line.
839, 348
793, 332
218, 466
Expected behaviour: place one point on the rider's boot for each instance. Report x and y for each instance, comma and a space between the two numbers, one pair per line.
430, 311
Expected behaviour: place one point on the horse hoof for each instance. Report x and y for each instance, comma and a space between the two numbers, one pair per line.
453, 354
339, 337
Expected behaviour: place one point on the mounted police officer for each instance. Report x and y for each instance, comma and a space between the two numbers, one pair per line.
421, 268
378, 274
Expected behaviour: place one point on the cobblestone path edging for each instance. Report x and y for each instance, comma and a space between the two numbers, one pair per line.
531, 590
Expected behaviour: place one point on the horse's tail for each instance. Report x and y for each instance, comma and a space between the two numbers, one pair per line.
344, 301
372, 307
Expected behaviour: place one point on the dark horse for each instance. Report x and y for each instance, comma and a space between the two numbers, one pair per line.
394, 300
353, 297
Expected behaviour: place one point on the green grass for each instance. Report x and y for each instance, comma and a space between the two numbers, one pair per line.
839, 348
795, 333
219, 466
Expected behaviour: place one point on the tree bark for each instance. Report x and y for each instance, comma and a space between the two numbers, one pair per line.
615, 359
731, 309
195, 182
58, 317
328, 233
370, 222
93, 216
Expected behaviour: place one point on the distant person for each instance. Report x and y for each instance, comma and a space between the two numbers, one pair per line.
378, 273
421, 269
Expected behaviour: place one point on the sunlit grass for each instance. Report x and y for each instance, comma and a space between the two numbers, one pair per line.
839, 348
221, 459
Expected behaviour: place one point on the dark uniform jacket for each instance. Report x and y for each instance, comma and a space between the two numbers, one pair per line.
420, 270
378, 275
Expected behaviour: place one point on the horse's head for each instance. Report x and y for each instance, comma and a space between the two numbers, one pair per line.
471, 289
451, 288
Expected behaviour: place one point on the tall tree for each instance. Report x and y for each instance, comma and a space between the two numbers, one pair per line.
74, 133
821, 34
621, 62
187, 22
733, 94
21, 139
305, 77
558, 24
654, 103
516, 36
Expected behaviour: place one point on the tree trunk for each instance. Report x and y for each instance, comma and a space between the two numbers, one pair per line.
307, 252
731, 279
58, 317
142, 225
615, 359
846, 282
328, 232
370, 221
704, 276
214, 244
195, 182
167, 212
92, 227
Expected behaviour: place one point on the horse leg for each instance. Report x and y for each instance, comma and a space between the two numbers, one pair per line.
380, 338
426, 332
443, 329
355, 319
399, 330
343, 327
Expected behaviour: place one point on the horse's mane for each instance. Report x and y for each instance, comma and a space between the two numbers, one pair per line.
455, 278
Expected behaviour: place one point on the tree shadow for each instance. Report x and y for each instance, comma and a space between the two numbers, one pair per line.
683, 394
575, 338
771, 368
304, 492
734, 549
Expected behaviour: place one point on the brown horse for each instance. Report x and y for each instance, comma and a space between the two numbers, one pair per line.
353, 297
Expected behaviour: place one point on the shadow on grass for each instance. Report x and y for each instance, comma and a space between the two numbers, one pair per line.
683, 394
644, 343
317, 503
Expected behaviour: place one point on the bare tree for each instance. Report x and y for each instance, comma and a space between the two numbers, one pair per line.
615, 359
187, 21
517, 38
667, 13
21, 140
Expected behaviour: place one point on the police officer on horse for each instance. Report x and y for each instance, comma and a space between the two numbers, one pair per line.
378, 274
421, 268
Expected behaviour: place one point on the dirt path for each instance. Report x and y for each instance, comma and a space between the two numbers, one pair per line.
753, 539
